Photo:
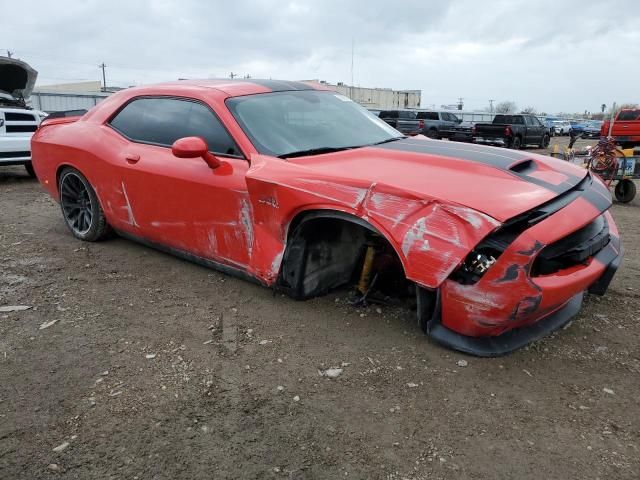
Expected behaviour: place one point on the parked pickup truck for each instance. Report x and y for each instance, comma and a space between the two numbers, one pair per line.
17, 120
438, 124
626, 128
404, 121
512, 131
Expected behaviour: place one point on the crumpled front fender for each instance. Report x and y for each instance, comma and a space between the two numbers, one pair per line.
430, 236
435, 238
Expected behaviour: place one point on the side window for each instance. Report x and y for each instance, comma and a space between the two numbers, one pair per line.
627, 115
407, 114
429, 115
530, 121
518, 120
162, 121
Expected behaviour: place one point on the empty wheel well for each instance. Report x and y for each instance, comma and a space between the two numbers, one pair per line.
325, 250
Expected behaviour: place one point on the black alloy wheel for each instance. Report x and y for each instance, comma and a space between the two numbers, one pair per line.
80, 207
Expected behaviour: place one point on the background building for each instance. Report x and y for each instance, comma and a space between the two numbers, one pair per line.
84, 95
377, 98
67, 96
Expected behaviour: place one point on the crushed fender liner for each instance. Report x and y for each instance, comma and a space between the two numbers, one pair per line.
516, 338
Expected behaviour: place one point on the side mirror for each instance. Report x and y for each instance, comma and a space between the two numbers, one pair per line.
194, 147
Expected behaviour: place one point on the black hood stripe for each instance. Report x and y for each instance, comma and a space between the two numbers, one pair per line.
484, 155
598, 195
501, 159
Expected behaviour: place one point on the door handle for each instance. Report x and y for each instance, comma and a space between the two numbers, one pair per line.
131, 157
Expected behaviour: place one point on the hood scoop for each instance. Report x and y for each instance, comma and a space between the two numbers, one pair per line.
524, 167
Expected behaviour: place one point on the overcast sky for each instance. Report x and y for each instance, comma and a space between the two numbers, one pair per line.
556, 55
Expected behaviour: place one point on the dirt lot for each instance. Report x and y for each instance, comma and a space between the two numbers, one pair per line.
149, 367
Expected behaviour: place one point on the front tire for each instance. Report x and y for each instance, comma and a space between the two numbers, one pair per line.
80, 207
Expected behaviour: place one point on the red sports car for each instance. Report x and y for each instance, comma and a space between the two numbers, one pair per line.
299, 188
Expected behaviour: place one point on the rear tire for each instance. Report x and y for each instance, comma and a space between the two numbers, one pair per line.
516, 143
625, 190
29, 168
432, 133
81, 209
544, 143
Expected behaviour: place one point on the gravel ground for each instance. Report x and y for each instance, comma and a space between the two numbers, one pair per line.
134, 364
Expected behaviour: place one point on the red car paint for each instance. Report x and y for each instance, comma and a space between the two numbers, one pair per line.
433, 202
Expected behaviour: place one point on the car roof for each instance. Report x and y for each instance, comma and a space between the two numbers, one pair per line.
233, 87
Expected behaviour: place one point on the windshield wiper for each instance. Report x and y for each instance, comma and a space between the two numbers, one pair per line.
321, 150
393, 139
315, 151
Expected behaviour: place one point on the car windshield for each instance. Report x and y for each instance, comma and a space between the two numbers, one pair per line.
307, 122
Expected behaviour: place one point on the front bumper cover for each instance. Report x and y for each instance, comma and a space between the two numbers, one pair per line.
495, 346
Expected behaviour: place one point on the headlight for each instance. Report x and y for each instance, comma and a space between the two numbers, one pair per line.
474, 266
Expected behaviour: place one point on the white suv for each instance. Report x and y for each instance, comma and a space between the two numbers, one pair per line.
561, 127
17, 120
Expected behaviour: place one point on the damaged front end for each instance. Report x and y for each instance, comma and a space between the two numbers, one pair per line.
528, 277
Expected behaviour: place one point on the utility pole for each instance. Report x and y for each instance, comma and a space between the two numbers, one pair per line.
460, 104
491, 100
104, 77
233, 75
351, 87
612, 118
9, 53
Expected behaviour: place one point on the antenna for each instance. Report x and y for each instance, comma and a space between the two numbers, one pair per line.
351, 86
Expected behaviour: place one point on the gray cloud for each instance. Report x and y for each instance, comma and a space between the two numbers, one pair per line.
570, 55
